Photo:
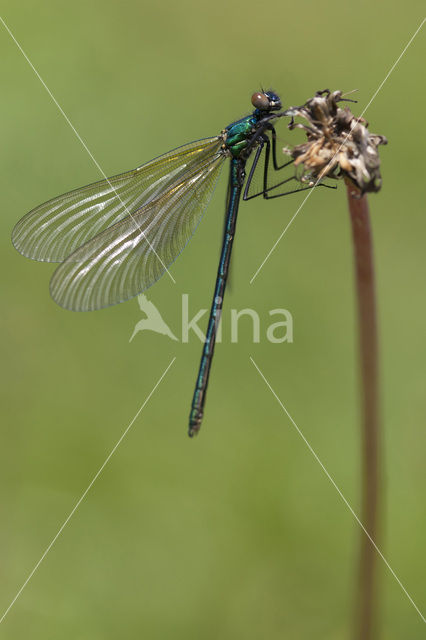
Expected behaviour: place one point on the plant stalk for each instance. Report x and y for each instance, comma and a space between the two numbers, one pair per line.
366, 617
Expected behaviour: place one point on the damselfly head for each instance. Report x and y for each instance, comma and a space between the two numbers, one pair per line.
266, 100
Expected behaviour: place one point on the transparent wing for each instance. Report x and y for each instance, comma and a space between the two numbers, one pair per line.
130, 256
53, 230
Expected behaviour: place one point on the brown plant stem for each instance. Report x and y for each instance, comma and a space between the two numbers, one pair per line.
366, 596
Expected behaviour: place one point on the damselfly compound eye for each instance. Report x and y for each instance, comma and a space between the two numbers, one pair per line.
260, 101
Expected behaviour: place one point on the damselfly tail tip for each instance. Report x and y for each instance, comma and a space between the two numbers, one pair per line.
194, 426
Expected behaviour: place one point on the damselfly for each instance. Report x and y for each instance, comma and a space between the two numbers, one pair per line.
116, 237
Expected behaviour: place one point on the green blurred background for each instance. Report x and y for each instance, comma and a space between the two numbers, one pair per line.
238, 533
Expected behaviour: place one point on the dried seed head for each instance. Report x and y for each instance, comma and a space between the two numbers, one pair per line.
338, 144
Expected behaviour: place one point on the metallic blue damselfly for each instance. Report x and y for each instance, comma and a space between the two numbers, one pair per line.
116, 237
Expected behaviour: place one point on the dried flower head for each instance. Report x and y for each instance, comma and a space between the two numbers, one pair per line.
338, 144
